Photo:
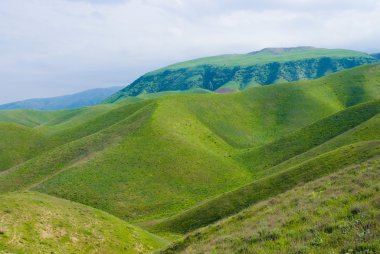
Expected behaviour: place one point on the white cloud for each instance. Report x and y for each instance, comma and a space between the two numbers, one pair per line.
51, 47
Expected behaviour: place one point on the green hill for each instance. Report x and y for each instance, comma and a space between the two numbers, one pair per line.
338, 213
37, 223
235, 72
175, 162
263, 161
124, 158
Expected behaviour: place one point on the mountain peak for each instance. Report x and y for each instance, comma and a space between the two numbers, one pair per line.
281, 50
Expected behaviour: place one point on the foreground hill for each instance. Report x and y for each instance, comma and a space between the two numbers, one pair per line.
338, 213
37, 223
158, 157
228, 73
78, 100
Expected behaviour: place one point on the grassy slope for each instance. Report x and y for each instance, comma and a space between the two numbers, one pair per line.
309, 137
266, 187
26, 117
139, 176
17, 144
33, 222
264, 57
53, 129
338, 213
132, 153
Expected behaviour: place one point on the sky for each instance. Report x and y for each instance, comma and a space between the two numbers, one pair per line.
56, 47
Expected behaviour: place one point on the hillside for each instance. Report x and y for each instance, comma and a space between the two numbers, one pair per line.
77, 100
270, 181
338, 213
37, 223
124, 158
228, 73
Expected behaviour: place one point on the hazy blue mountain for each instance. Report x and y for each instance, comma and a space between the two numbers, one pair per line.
77, 100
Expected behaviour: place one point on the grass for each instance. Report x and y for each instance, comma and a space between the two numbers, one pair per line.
237, 200
33, 222
338, 213
269, 155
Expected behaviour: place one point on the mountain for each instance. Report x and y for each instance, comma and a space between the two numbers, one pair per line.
183, 165
229, 73
78, 100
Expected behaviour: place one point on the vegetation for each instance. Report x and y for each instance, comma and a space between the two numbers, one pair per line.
235, 72
33, 222
235, 201
338, 213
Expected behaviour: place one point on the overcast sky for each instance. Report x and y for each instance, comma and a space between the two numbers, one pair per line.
56, 47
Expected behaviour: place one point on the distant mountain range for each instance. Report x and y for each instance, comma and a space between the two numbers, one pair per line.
72, 101
227, 73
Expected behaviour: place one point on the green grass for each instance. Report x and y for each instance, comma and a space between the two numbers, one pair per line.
338, 213
266, 187
274, 153
36, 223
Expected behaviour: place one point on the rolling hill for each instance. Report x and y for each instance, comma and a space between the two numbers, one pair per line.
78, 100
338, 213
172, 163
228, 73
36, 223
126, 159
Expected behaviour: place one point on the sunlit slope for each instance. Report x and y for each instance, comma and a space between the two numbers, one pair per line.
316, 134
38, 223
131, 168
358, 123
338, 213
263, 114
236, 72
160, 169
22, 142
16, 144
